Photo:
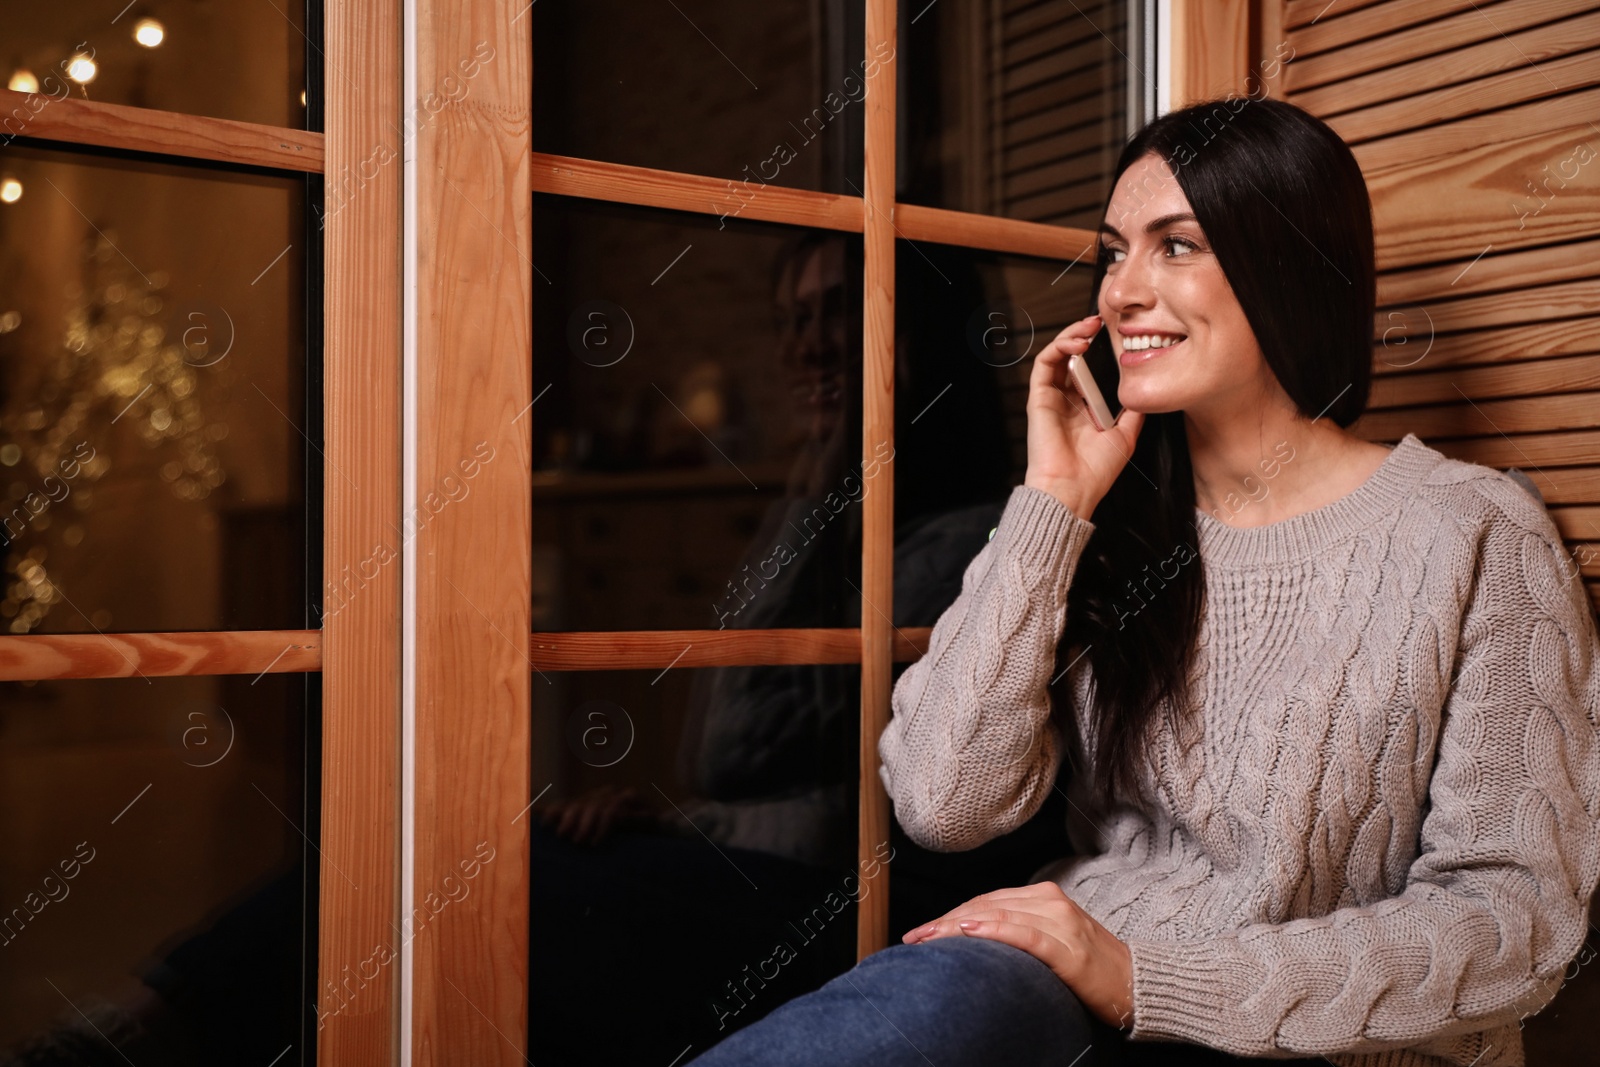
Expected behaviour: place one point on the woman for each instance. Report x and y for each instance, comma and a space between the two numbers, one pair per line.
1336, 740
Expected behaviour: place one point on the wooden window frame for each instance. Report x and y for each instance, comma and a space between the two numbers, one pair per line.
473, 683
357, 650
473, 771
469, 699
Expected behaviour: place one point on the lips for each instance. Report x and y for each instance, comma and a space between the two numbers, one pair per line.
1129, 357
817, 390
1152, 333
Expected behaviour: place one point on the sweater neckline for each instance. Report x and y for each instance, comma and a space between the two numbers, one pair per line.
1302, 536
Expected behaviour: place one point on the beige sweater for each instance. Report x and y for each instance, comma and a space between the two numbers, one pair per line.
1378, 830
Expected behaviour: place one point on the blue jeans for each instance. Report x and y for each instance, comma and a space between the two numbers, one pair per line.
949, 1002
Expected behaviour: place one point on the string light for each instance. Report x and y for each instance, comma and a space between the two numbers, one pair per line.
117, 362
23, 81
82, 69
149, 32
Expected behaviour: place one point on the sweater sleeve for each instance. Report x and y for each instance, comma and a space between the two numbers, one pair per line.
1495, 905
969, 752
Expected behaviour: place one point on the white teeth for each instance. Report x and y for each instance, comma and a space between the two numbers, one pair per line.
1140, 342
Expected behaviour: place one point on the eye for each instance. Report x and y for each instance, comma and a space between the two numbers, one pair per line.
1188, 245
1111, 255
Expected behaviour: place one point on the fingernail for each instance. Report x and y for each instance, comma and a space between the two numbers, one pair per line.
967, 924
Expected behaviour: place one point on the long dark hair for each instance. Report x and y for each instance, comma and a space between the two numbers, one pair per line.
1286, 210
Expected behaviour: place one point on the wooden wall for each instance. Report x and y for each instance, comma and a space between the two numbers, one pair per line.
1474, 124
1051, 143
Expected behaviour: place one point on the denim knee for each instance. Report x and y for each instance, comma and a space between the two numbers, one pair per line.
996, 996
954, 1001
966, 970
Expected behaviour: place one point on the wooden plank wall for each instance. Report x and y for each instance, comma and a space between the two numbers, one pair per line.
1475, 126
1053, 142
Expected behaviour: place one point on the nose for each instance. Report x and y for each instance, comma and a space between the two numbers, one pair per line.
792, 331
812, 342
1129, 286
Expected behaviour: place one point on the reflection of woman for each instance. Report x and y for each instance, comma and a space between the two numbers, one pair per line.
1340, 756
773, 749
771, 752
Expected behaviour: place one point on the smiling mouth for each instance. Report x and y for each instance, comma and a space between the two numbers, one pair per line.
1152, 341
822, 390
1133, 357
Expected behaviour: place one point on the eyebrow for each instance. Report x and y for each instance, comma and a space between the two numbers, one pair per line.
1159, 223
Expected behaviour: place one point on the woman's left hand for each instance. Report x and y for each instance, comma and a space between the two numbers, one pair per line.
1043, 921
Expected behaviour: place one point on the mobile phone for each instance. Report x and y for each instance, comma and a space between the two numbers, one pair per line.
1096, 375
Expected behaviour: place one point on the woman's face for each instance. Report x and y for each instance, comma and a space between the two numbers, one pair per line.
813, 346
1162, 283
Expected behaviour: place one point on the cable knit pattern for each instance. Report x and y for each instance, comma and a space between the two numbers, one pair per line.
1376, 831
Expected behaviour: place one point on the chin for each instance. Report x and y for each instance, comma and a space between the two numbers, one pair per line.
1151, 405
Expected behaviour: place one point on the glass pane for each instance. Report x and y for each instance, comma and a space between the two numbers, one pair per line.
701, 826
221, 59
1014, 109
697, 454
231, 61
735, 791
756, 94
969, 324
158, 870
152, 396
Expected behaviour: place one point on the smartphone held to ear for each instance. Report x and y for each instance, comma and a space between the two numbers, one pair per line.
1096, 375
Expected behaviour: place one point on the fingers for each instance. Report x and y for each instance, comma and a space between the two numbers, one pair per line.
1048, 378
576, 819
984, 921
1084, 328
1048, 892
1048, 368
1074, 339
1044, 898
1034, 940
569, 819
1034, 890
591, 823
1129, 423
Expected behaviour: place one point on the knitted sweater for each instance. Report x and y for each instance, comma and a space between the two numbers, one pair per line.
1378, 824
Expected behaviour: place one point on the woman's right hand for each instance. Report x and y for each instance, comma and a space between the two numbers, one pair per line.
586, 819
1068, 456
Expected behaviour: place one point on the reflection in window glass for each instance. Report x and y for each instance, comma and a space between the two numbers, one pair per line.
1013, 109
227, 60
695, 821
968, 325
694, 857
697, 429
152, 396
158, 870
757, 94
697, 434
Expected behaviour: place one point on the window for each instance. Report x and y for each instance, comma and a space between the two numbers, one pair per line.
485, 406
755, 486
199, 445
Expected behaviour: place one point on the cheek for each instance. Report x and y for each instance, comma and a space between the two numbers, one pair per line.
1234, 352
